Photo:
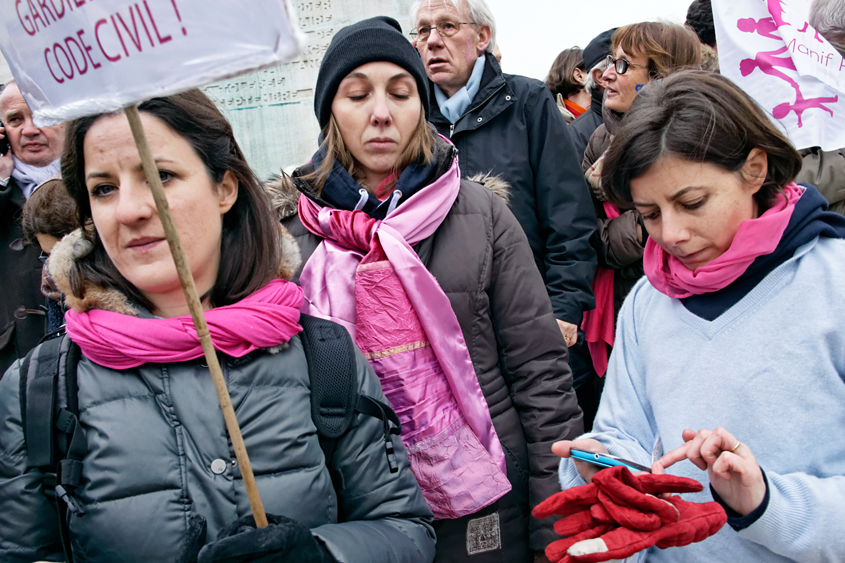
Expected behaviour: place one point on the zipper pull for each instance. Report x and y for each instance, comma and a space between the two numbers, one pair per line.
451, 130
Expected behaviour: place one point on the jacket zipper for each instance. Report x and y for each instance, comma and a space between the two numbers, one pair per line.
451, 130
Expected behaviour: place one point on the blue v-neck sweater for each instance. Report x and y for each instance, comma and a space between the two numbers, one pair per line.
771, 370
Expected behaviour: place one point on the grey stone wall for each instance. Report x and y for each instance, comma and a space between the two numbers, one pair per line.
272, 110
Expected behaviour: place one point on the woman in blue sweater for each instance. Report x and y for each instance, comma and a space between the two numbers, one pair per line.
730, 356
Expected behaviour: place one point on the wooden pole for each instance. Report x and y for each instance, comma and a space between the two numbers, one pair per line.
195, 307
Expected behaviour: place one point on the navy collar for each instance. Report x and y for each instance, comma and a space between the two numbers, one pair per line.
341, 191
810, 220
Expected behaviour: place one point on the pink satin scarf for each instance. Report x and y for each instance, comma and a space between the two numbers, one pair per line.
755, 237
598, 324
264, 319
365, 276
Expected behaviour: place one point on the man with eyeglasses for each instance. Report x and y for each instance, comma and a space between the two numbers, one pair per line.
509, 126
506, 125
31, 156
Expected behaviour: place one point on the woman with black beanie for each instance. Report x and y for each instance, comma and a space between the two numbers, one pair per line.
435, 281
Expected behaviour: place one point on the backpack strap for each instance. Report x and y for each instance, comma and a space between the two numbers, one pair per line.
331, 368
335, 400
55, 443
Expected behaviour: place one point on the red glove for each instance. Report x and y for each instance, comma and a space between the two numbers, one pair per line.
567, 502
696, 522
585, 518
629, 499
616, 516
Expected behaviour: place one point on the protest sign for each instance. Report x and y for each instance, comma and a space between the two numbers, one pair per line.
768, 48
76, 57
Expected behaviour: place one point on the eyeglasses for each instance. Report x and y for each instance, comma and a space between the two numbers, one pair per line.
444, 29
621, 64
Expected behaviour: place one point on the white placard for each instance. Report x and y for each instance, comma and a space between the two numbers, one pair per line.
77, 57
768, 48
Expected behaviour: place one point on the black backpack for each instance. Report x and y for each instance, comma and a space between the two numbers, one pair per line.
57, 446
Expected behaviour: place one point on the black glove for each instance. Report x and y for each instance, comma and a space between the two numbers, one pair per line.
282, 539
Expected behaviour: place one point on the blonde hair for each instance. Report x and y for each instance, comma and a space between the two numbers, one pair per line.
420, 146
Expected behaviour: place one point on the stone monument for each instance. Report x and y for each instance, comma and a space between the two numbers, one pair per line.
272, 110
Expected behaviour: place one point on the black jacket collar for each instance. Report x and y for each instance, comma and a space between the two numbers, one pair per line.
486, 102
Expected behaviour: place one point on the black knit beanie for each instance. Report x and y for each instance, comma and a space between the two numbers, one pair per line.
370, 40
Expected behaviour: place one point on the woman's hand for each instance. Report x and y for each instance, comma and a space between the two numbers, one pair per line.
569, 332
732, 468
586, 470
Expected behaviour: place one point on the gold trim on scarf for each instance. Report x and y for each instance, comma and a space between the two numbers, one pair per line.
396, 350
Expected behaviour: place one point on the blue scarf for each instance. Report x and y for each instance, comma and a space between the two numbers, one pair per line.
453, 108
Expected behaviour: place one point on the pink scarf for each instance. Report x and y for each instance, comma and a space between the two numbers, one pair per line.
598, 324
267, 318
366, 277
755, 237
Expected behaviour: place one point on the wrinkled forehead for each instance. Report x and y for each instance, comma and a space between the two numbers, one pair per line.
11, 99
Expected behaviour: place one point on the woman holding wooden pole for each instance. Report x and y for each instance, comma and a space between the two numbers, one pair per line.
157, 477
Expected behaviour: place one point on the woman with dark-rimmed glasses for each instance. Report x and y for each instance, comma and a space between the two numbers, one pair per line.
640, 53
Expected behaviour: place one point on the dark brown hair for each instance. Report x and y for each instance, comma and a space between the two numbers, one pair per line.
697, 116
49, 211
668, 47
560, 79
250, 251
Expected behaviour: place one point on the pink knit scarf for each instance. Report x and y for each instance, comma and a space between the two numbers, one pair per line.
755, 237
267, 318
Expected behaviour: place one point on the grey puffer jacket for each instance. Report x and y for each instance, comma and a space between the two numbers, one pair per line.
481, 258
159, 461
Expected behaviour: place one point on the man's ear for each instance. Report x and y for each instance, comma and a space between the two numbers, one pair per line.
597, 74
483, 38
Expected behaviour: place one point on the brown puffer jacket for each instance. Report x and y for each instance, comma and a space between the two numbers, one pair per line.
618, 242
481, 258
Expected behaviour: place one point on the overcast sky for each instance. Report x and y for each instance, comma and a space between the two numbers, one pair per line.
532, 32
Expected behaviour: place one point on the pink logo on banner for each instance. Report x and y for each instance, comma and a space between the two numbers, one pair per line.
769, 61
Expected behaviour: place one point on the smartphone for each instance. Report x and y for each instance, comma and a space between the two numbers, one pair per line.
4, 142
606, 460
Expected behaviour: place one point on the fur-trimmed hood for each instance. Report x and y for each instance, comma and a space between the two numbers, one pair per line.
75, 246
